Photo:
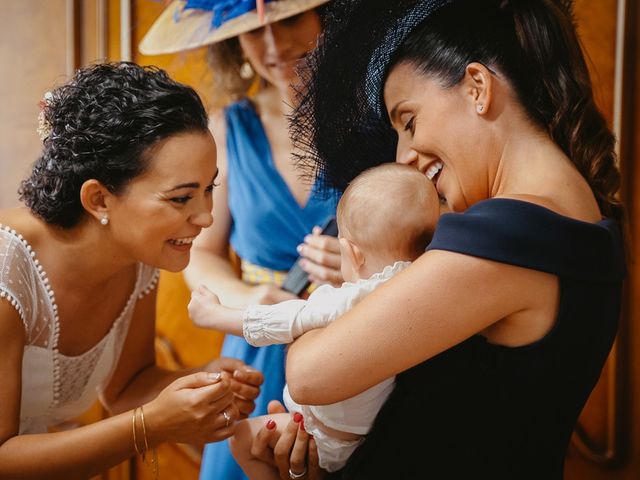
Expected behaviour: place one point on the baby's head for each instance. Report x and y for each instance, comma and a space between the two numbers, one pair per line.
387, 214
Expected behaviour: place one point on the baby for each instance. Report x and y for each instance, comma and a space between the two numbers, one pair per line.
386, 218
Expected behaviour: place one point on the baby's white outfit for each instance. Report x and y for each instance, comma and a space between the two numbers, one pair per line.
283, 322
56, 387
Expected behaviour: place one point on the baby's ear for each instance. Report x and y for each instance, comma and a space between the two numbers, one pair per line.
352, 251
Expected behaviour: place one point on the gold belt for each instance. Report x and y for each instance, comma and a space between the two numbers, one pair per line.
257, 275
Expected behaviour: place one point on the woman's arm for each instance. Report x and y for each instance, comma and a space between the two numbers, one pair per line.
210, 265
442, 299
137, 379
86, 451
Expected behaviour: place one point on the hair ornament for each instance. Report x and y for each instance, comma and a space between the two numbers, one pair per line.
44, 127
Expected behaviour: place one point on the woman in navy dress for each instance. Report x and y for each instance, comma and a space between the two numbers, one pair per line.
499, 332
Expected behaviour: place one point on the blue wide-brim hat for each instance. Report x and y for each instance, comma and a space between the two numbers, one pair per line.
189, 24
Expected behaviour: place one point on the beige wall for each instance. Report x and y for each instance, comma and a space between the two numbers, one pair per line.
35, 54
32, 54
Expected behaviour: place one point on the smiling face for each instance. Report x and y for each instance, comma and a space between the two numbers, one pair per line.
160, 212
275, 49
442, 133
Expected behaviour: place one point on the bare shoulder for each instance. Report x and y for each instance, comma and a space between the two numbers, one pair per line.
23, 222
577, 205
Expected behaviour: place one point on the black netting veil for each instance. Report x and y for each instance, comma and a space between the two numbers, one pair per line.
340, 126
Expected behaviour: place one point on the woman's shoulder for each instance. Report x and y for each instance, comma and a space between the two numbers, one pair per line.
20, 222
20, 270
583, 208
532, 235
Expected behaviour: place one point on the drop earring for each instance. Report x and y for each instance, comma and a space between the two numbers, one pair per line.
104, 221
246, 70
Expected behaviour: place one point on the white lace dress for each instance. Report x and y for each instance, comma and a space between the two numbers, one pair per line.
55, 387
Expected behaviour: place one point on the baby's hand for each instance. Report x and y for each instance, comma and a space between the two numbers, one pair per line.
203, 306
206, 311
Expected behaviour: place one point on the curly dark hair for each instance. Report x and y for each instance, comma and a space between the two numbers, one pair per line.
103, 123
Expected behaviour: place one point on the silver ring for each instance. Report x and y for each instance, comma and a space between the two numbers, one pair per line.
227, 417
298, 475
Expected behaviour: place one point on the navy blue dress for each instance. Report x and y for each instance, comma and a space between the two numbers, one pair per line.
483, 411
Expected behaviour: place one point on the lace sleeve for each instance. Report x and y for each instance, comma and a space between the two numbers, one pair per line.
21, 285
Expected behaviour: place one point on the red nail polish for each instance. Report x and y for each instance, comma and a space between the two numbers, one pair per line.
297, 417
271, 425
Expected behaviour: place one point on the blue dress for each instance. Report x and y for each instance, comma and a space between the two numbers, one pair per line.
268, 225
486, 411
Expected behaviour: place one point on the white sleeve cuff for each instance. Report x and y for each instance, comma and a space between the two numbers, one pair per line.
270, 324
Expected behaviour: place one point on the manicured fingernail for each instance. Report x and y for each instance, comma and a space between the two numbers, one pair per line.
213, 376
297, 417
299, 248
271, 425
307, 238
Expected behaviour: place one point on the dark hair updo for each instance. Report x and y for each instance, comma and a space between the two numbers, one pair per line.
341, 128
101, 123
533, 44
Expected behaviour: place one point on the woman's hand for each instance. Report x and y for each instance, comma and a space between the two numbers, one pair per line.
245, 382
293, 451
321, 258
197, 408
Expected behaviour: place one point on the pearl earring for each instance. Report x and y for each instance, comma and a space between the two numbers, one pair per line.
104, 220
480, 108
246, 70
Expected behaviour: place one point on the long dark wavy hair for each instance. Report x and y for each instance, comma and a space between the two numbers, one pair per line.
533, 43
103, 124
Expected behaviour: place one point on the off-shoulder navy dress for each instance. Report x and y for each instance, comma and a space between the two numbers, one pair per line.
482, 411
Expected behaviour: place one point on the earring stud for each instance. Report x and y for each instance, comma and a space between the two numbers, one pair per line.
246, 70
104, 220
480, 108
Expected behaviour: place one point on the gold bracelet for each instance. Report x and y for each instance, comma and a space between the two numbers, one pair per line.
154, 452
133, 424
144, 429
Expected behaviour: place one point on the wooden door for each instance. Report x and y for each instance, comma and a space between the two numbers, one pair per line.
606, 444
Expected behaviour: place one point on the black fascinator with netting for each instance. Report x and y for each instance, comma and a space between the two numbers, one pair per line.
340, 126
